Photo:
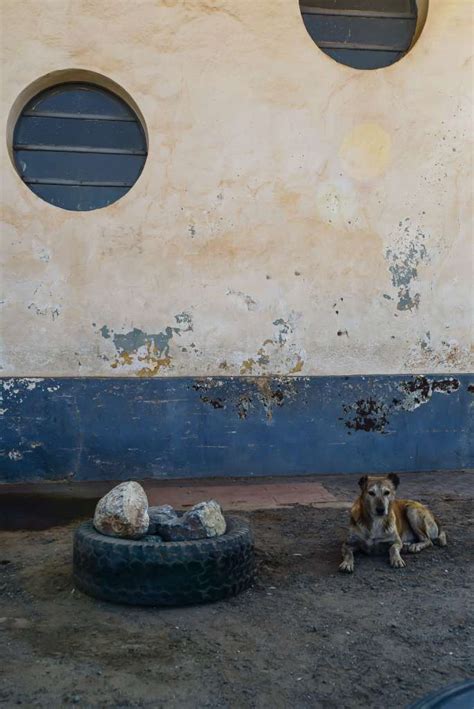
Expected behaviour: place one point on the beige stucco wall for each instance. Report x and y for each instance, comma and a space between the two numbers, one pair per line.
286, 199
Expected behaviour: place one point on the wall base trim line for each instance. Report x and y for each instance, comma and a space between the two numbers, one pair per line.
187, 427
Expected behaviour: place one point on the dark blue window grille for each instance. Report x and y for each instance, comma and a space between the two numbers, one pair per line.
79, 146
364, 34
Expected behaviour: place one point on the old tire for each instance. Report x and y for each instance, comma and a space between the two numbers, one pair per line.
455, 696
150, 572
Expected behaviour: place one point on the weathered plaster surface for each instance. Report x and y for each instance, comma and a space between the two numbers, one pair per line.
294, 215
93, 428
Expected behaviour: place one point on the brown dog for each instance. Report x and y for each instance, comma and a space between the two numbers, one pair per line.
379, 521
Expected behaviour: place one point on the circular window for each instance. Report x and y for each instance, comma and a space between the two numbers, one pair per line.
364, 34
79, 146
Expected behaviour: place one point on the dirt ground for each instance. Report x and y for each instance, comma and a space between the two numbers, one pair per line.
304, 636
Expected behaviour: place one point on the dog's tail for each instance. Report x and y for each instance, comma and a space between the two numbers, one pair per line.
441, 540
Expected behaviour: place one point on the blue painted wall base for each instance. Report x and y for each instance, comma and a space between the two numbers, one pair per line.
114, 428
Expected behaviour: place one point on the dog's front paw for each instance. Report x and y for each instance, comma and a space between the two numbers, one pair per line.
397, 563
347, 567
415, 548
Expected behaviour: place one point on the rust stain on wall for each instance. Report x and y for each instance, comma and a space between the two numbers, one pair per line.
264, 392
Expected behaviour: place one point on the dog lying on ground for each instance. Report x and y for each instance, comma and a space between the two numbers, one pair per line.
380, 522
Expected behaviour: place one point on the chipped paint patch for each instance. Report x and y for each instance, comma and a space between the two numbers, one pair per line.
404, 259
298, 366
240, 418
374, 413
15, 455
420, 390
265, 392
244, 406
147, 353
431, 353
208, 385
40, 251
366, 415
277, 352
215, 403
184, 319
271, 396
15, 389
18, 383
249, 302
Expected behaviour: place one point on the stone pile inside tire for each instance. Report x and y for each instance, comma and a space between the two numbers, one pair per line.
124, 512
204, 520
134, 554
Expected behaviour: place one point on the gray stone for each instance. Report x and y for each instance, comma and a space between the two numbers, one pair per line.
159, 516
202, 521
123, 512
179, 530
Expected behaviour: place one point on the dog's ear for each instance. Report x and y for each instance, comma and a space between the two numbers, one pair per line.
395, 479
363, 481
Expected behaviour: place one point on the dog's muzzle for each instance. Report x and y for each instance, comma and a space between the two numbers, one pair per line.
380, 511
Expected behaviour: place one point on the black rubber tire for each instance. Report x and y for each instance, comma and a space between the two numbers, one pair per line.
455, 696
150, 572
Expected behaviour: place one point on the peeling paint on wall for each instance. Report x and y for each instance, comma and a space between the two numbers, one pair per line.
188, 427
260, 393
366, 415
374, 414
420, 390
404, 259
15, 455
361, 186
277, 352
430, 354
15, 389
146, 353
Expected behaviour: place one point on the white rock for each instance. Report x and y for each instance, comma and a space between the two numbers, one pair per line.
209, 516
123, 512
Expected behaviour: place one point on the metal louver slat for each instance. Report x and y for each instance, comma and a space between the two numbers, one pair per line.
78, 149
79, 117
349, 12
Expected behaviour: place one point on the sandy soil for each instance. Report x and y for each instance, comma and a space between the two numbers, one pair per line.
304, 636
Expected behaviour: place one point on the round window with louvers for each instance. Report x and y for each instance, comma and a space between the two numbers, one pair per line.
79, 146
364, 34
